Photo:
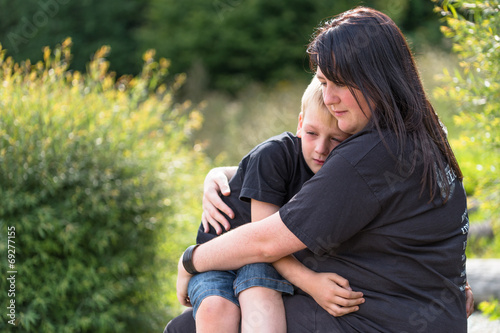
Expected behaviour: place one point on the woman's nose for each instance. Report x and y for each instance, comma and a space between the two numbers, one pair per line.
330, 97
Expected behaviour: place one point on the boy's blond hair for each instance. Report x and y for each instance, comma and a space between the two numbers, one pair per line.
312, 99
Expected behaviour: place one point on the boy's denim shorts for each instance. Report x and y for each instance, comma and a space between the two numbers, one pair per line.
228, 284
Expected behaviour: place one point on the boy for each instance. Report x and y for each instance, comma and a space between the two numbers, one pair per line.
268, 177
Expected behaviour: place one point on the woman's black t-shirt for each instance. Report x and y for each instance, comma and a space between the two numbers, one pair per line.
364, 217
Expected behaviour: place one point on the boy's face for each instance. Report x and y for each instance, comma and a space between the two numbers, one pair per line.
320, 134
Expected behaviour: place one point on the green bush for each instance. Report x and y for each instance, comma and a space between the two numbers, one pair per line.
491, 308
474, 89
90, 174
474, 28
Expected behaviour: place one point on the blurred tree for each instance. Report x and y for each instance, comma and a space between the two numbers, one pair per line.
226, 44
27, 26
222, 44
474, 89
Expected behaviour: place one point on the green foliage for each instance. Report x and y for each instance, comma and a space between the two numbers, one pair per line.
26, 26
227, 44
474, 28
491, 309
233, 126
90, 174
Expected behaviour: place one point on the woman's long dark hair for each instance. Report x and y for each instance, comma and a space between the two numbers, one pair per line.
365, 50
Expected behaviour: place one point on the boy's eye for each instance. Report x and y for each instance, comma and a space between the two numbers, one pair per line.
311, 133
336, 140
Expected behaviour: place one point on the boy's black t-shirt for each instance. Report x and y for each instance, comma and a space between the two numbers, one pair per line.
363, 217
272, 172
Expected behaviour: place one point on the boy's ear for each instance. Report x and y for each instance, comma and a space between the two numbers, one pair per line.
299, 125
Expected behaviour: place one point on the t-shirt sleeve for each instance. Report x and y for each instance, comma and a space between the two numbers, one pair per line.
332, 207
267, 173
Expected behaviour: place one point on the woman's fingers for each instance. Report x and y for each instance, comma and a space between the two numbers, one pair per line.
215, 183
469, 302
212, 215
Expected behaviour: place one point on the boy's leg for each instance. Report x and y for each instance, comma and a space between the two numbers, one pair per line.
259, 288
215, 308
217, 314
262, 310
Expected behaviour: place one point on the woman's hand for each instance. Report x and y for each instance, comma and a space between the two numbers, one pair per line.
469, 301
333, 293
183, 278
216, 183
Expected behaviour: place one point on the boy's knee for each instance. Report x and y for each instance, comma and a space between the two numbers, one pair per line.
211, 308
260, 294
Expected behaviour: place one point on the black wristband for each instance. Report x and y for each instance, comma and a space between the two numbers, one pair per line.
187, 259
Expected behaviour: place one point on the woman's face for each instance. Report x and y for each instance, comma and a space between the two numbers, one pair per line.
343, 105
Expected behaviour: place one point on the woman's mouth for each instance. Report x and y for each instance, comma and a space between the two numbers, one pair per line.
338, 113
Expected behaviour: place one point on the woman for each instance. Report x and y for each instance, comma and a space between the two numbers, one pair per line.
387, 211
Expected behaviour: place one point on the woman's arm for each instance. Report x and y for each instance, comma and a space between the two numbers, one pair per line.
259, 211
217, 182
329, 290
264, 241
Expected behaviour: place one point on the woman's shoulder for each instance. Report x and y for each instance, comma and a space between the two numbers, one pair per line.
360, 145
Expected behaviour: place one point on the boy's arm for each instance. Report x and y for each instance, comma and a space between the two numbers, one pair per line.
329, 290
260, 210
217, 182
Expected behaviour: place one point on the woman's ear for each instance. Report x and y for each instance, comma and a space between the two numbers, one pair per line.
299, 125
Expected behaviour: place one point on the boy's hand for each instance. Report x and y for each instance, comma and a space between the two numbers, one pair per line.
216, 183
333, 293
183, 278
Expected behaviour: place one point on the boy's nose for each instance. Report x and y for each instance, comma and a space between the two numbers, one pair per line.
322, 148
